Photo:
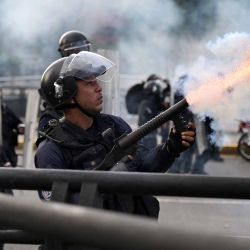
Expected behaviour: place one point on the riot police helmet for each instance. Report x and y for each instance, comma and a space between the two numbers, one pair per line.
157, 87
58, 83
72, 42
152, 77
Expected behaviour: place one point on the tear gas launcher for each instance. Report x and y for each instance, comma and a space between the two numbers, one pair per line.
124, 144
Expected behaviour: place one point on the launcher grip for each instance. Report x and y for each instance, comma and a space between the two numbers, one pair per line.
180, 123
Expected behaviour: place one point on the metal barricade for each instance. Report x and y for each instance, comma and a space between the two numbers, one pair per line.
91, 183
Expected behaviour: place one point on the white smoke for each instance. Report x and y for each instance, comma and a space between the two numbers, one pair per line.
144, 30
225, 104
153, 35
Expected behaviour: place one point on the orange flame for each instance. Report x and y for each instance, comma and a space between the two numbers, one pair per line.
216, 87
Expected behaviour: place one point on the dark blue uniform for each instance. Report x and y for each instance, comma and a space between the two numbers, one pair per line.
10, 124
91, 148
46, 116
147, 110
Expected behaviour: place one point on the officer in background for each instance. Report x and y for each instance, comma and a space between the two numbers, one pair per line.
156, 99
11, 127
74, 84
70, 42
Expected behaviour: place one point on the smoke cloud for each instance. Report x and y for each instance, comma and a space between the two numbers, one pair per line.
217, 84
152, 36
207, 40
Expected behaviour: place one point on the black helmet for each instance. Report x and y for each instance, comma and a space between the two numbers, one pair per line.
73, 42
51, 82
153, 77
58, 83
157, 87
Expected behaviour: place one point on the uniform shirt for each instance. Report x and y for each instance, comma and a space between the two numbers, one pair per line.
46, 116
49, 155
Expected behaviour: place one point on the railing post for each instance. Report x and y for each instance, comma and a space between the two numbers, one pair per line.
90, 195
60, 193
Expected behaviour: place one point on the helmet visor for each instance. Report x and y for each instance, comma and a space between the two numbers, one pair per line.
81, 46
88, 66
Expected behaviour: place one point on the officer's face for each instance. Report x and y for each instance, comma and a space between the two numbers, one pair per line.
89, 96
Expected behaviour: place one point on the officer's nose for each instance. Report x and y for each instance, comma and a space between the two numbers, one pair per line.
98, 87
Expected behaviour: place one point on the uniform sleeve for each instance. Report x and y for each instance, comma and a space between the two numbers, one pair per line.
48, 156
157, 159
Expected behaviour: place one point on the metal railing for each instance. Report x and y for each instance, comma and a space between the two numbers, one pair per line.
100, 229
53, 224
20, 82
129, 182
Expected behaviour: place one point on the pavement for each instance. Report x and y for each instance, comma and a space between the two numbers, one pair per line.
222, 216
229, 150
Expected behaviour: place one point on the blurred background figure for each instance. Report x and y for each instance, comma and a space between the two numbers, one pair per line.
70, 42
206, 148
148, 99
12, 126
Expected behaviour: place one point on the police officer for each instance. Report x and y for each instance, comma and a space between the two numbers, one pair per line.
11, 126
157, 99
10, 130
74, 85
70, 42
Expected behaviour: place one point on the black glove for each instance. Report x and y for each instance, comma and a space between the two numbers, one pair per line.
174, 145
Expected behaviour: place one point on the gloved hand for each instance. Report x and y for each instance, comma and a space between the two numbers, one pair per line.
180, 141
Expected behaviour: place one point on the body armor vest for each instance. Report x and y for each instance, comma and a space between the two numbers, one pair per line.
83, 150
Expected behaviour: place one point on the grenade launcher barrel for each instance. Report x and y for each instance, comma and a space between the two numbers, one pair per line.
153, 124
123, 144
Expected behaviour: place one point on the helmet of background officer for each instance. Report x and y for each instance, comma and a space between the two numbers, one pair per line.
59, 83
157, 87
72, 42
153, 77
